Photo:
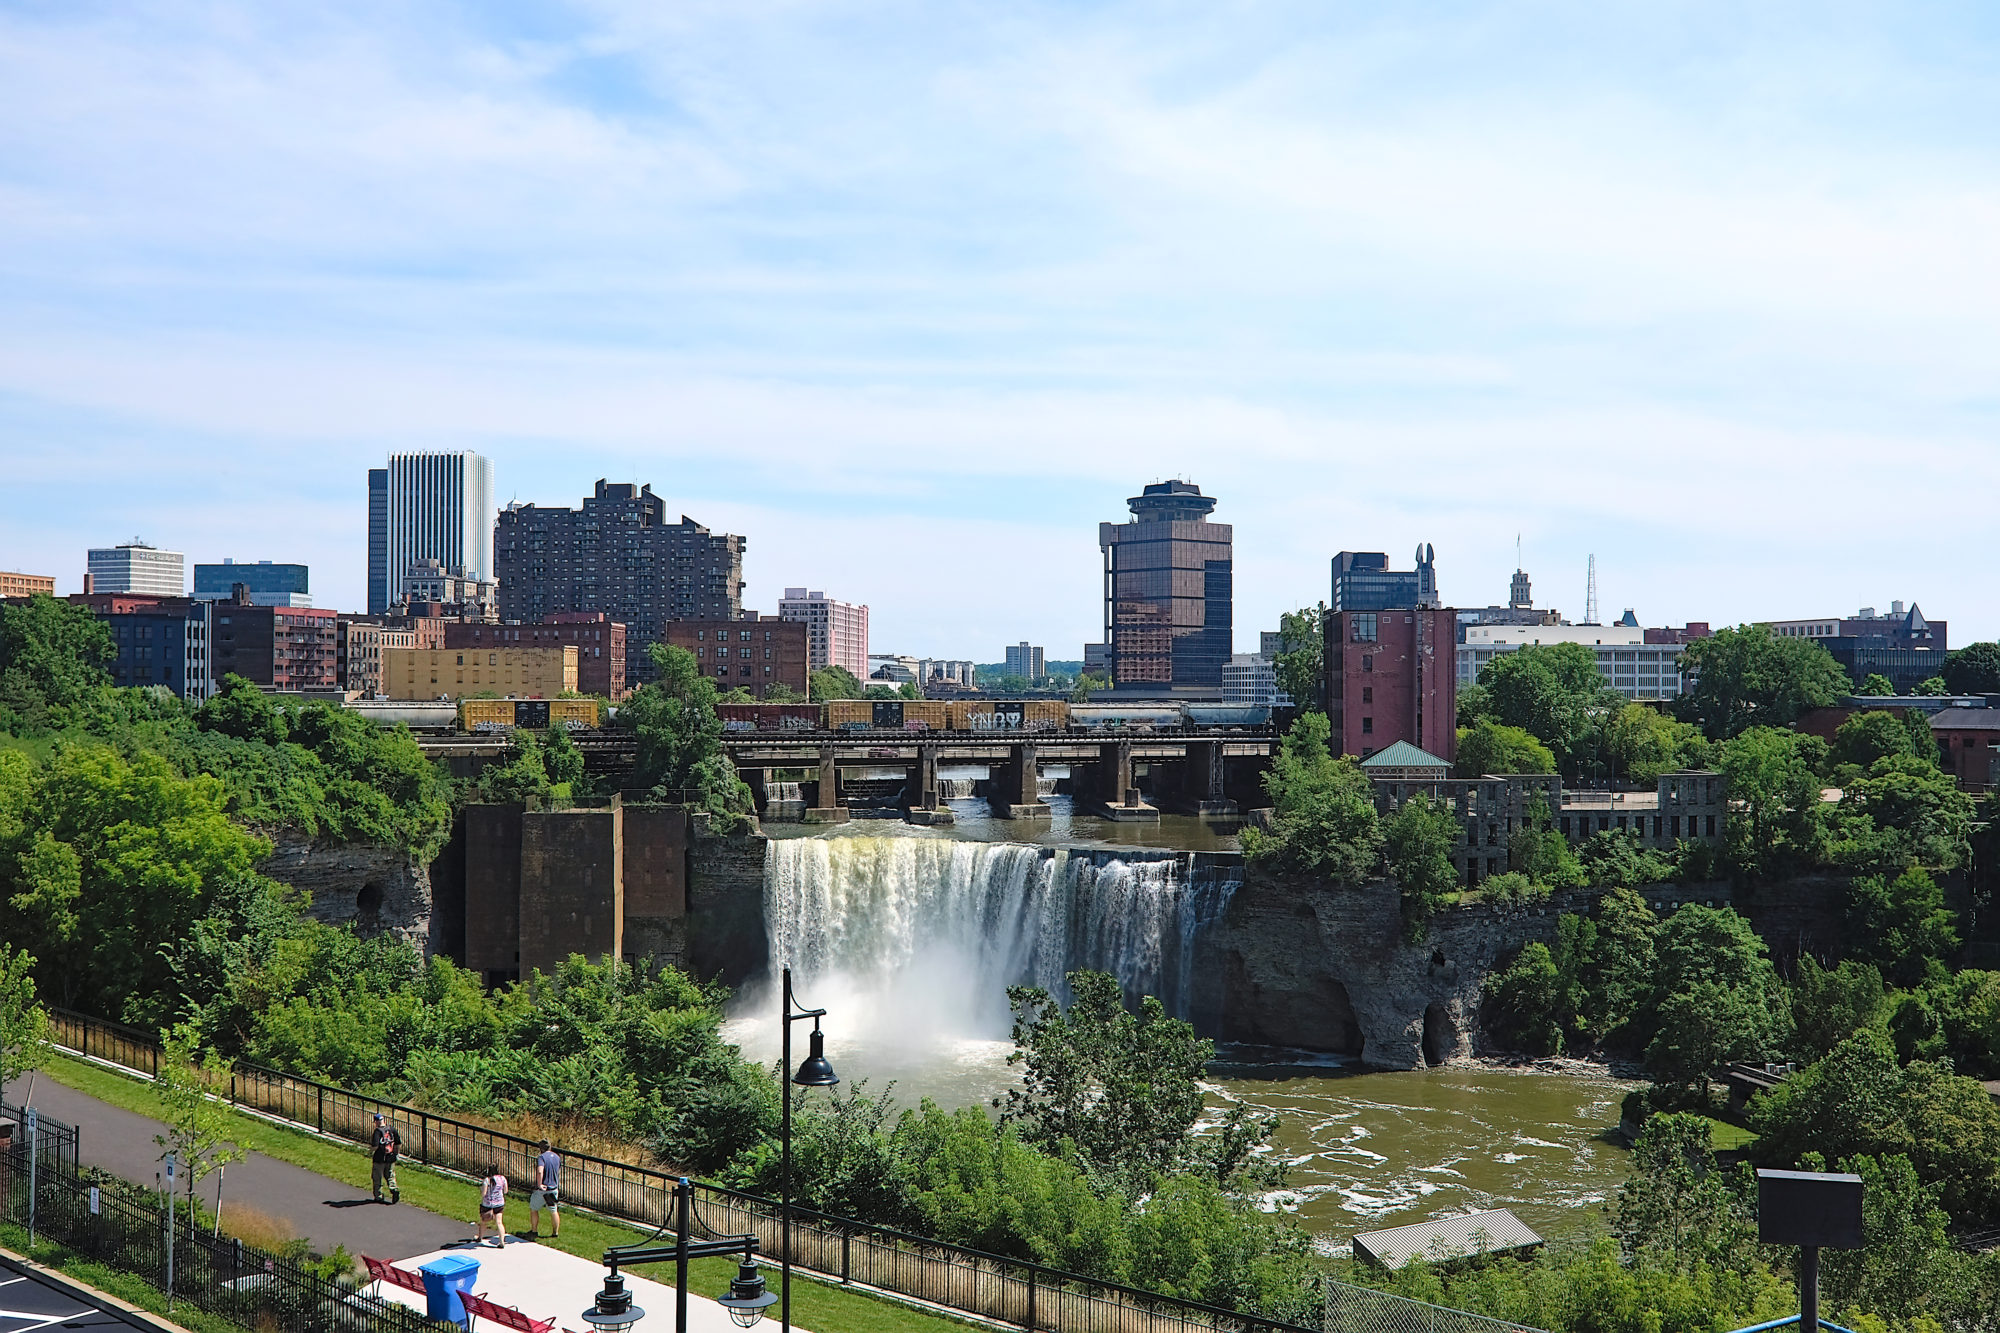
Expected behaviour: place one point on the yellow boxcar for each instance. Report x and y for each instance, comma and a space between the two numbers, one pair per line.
1009, 715
486, 714
576, 714
888, 715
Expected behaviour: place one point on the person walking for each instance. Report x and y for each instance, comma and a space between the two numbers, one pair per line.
546, 1193
492, 1207
388, 1146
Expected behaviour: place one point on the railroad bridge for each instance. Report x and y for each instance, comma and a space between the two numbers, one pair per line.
1123, 774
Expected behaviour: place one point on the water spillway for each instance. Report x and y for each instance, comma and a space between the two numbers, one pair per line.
926, 933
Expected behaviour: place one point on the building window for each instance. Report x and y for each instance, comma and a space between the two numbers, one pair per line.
1364, 627
1368, 694
1368, 726
1367, 664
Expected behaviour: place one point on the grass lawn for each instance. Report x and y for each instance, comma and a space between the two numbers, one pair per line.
1725, 1137
819, 1306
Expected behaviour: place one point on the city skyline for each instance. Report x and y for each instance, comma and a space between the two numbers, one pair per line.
1688, 294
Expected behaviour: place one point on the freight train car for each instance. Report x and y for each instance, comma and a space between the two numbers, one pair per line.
1227, 715
887, 715
420, 717
770, 717
1009, 715
528, 714
1126, 717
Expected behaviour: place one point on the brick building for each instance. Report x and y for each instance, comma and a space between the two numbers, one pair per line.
755, 652
617, 555
160, 641
836, 631
26, 585
277, 647
1392, 676
360, 645
599, 642
1966, 738
449, 673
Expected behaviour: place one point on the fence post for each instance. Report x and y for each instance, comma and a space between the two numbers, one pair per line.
322, 1110
32, 1121
1031, 1297
425, 1121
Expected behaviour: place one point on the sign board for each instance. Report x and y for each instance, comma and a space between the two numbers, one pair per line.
1814, 1208
889, 713
170, 1168
29, 1119
532, 714
93, 1201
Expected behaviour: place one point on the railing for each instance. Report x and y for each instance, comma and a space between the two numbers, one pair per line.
239, 1283
987, 1286
56, 1142
1364, 1310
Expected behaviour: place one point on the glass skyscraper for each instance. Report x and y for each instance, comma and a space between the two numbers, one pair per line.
1168, 594
429, 507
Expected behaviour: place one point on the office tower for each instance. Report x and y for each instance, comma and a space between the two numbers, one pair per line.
1167, 591
836, 631
266, 583
1363, 581
434, 507
620, 555
1025, 660
137, 568
378, 541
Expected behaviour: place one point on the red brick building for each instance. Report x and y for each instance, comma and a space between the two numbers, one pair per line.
599, 641
277, 647
755, 653
1965, 739
1392, 676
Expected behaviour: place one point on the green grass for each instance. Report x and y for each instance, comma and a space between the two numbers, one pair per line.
819, 1306
1725, 1137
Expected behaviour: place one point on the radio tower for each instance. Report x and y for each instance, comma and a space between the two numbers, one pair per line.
1590, 596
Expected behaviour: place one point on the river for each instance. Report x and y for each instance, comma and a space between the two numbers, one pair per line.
908, 937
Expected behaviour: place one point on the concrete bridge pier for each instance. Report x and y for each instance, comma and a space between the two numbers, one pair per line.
826, 807
1118, 793
1204, 780
925, 805
1015, 790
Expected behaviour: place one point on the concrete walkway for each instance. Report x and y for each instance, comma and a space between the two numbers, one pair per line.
322, 1210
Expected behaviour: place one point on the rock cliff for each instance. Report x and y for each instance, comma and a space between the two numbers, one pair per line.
382, 890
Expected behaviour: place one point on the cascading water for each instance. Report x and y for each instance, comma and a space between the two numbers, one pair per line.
920, 935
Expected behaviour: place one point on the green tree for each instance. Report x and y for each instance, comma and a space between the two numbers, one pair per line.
1677, 1205
1612, 957
1087, 685
197, 1126
1492, 748
1475, 705
1774, 782
1554, 692
679, 738
777, 692
830, 683
1716, 998
1417, 842
1642, 743
1973, 669
1323, 812
1902, 924
1876, 685
1909, 1267
1829, 1005
52, 657
908, 690
1614, 857
1747, 677
238, 708
1922, 806
1301, 661
24, 1023
880, 692
1523, 1002
1544, 855
1931, 687
1866, 737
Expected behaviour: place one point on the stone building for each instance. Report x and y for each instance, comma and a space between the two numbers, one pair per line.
445, 673
599, 641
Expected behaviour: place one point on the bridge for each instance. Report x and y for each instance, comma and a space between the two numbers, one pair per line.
1196, 770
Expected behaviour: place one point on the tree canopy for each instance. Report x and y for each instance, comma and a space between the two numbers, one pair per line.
1973, 669
1748, 677
1491, 747
52, 659
1556, 694
1301, 661
679, 752
1323, 812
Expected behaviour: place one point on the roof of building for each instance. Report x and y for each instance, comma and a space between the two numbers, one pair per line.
1404, 755
1966, 719
1446, 1238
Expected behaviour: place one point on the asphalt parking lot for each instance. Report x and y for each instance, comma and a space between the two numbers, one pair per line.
31, 1301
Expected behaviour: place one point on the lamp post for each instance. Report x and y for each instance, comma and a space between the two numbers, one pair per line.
814, 1072
747, 1299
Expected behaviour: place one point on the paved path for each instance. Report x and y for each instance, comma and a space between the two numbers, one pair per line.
323, 1210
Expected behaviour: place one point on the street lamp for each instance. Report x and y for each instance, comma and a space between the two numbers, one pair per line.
747, 1299
814, 1072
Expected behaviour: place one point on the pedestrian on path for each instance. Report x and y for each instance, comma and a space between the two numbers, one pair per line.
492, 1207
548, 1179
388, 1145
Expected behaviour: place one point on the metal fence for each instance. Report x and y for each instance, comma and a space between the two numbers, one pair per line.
56, 1141
1351, 1309
240, 1283
988, 1286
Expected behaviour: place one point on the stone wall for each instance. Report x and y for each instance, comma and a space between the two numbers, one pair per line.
656, 892
726, 938
382, 890
572, 885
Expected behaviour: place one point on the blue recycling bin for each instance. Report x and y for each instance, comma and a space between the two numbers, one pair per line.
446, 1280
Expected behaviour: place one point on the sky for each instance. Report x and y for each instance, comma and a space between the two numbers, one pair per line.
914, 295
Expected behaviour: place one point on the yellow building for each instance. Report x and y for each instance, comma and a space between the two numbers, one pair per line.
453, 673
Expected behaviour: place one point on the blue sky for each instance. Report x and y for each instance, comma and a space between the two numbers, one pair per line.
914, 295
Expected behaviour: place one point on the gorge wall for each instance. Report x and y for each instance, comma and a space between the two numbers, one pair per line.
381, 890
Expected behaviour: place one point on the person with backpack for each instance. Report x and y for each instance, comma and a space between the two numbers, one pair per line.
492, 1208
388, 1146
545, 1194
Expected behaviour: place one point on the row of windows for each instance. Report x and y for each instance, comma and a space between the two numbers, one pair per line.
722, 635
721, 653
723, 671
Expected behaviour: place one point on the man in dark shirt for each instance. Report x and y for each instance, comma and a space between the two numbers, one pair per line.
388, 1146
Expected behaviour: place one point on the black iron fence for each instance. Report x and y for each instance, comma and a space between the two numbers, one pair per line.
56, 1141
987, 1286
127, 1230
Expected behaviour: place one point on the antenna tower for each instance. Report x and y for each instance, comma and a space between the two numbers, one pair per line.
1590, 596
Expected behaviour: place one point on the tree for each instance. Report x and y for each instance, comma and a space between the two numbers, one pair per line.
1523, 1002
1677, 1204
1614, 857
1556, 693
1612, 956
1931, 687
777, 692
1773, 778
52, 656
1748, 677
1973, 669
1878, 686
1417, 842
1642, 743
679, 737
1922, 806
1323, 811
1490, 747
1301, 661
24, 1023
1086, 685
197, 1126
1716, 998
880, 692
908, 690
1866, 737
1908, 1266
1829, 1005
1901, 924
833, 682
1538, 851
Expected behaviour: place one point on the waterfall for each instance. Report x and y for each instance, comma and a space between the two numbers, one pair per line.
927, 933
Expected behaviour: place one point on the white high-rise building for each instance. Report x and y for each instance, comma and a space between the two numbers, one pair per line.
439, 507
836, 632
136, 567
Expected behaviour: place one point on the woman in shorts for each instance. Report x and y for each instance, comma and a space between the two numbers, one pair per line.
492, 1206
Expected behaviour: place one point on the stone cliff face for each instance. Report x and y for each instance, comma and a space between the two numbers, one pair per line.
725, 935
380, 889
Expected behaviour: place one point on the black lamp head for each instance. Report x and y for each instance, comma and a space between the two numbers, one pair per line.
614, 1311
748, 1298
814, 1071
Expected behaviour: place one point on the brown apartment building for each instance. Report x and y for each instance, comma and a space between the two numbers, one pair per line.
277, 647
755, 652
26, 585
598, 639
451, 673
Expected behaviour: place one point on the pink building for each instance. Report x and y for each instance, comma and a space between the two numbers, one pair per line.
836, 632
